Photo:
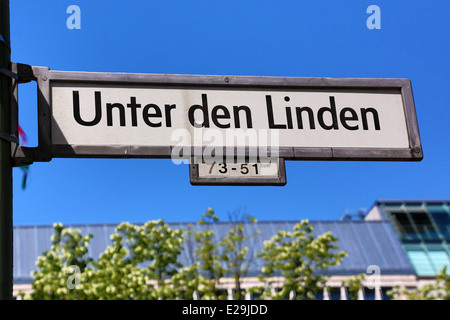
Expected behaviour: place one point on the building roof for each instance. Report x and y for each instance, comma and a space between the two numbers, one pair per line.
367, 243
406, 203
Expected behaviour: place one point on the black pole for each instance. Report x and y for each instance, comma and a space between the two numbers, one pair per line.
6, 205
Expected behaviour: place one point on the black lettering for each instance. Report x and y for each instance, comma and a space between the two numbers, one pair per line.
248, 115
109, 108
289, 118
133, 106
168, 109
98, 109
272, 124
332, 110
215, 116
376, 119
224, 168
299, 111
146, 115
204, 109
345, 118
288, 113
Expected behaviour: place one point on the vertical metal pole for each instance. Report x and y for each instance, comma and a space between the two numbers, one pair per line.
6, 221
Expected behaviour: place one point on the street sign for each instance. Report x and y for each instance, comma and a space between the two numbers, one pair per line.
121, 115
249, 174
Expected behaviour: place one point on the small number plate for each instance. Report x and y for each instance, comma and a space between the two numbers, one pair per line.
247, 174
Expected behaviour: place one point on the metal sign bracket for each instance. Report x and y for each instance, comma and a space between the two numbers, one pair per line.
9, 137
21, 155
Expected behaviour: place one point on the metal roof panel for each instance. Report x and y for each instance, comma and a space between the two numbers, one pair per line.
367, 243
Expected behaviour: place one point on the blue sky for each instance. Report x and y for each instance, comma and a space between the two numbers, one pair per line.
254, 38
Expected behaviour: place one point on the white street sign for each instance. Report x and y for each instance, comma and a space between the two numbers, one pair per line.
111, 115
120, 115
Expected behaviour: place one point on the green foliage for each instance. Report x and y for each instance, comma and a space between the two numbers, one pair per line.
186, 282
142, 262
353, 285
235, 254
208, 257
439, 290
298, 256
113, 277
69, 248
156, 244
208, 217
138, 255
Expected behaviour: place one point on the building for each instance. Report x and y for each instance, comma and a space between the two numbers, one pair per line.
423, 229
404, 253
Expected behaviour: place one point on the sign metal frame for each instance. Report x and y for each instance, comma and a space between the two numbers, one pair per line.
45, 150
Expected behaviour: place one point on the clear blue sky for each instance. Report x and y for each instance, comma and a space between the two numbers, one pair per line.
255, 38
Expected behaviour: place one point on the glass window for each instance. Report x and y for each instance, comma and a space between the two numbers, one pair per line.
424, 225
384, 291
403, 225
439, 259
369, 294
442, 219
335, 293
414, 206
421, 263
255, 296
319, 296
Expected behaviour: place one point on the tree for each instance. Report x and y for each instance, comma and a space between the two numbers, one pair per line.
138, 255
65, 261
207, 254
155, 247
186, 282
236, 255
218, 258
354, 285
439, 290
114, 277
298, 256
143, 262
